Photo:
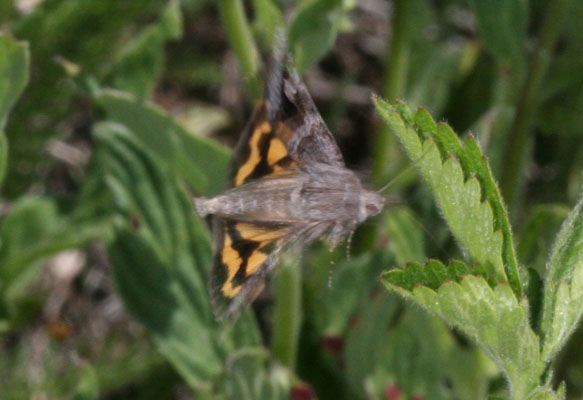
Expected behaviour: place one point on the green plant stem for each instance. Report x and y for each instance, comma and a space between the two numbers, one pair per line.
519, 146
385, 150
287, 315
3, 155
241, 39
395, 82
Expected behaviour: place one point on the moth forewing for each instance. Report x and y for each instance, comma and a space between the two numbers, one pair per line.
291, 187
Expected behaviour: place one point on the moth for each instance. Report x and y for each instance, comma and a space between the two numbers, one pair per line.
290, 186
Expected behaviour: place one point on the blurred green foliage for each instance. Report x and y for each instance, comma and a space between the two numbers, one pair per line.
139, 86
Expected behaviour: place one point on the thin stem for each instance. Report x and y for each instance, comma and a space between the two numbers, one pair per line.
287, 315
395, 82
243, 44
519, 146
385, 151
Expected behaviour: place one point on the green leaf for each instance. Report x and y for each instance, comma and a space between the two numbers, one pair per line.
538, 234
268, 18
31, 233
14, 62
406, 235
426, 358
502, 25
161, 257
364, 340
436, 69
334, 306
492, 317
150, 258
563, 290
463, 186
171, 21
88, 386
90, 33
242, 41
313, 31
546, 393
138, 66
201, 162
561, 93
433, 274
251, 378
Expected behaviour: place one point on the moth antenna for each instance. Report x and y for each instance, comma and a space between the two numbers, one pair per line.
427, 232
402, 172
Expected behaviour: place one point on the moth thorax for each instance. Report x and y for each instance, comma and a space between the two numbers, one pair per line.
371, 204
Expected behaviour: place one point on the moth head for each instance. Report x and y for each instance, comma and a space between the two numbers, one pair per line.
371, 204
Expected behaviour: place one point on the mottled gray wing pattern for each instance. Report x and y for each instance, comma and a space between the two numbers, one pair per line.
285, 133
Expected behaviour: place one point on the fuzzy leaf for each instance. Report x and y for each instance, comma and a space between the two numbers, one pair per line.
491, 317
463, 186
546, 393
433, 274
201, 162
563, 292
161, 257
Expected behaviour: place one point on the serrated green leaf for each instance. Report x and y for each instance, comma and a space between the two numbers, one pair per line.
502, 25
492, 318
203, 163
433, 274
563, 292
545, 393
463, 186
